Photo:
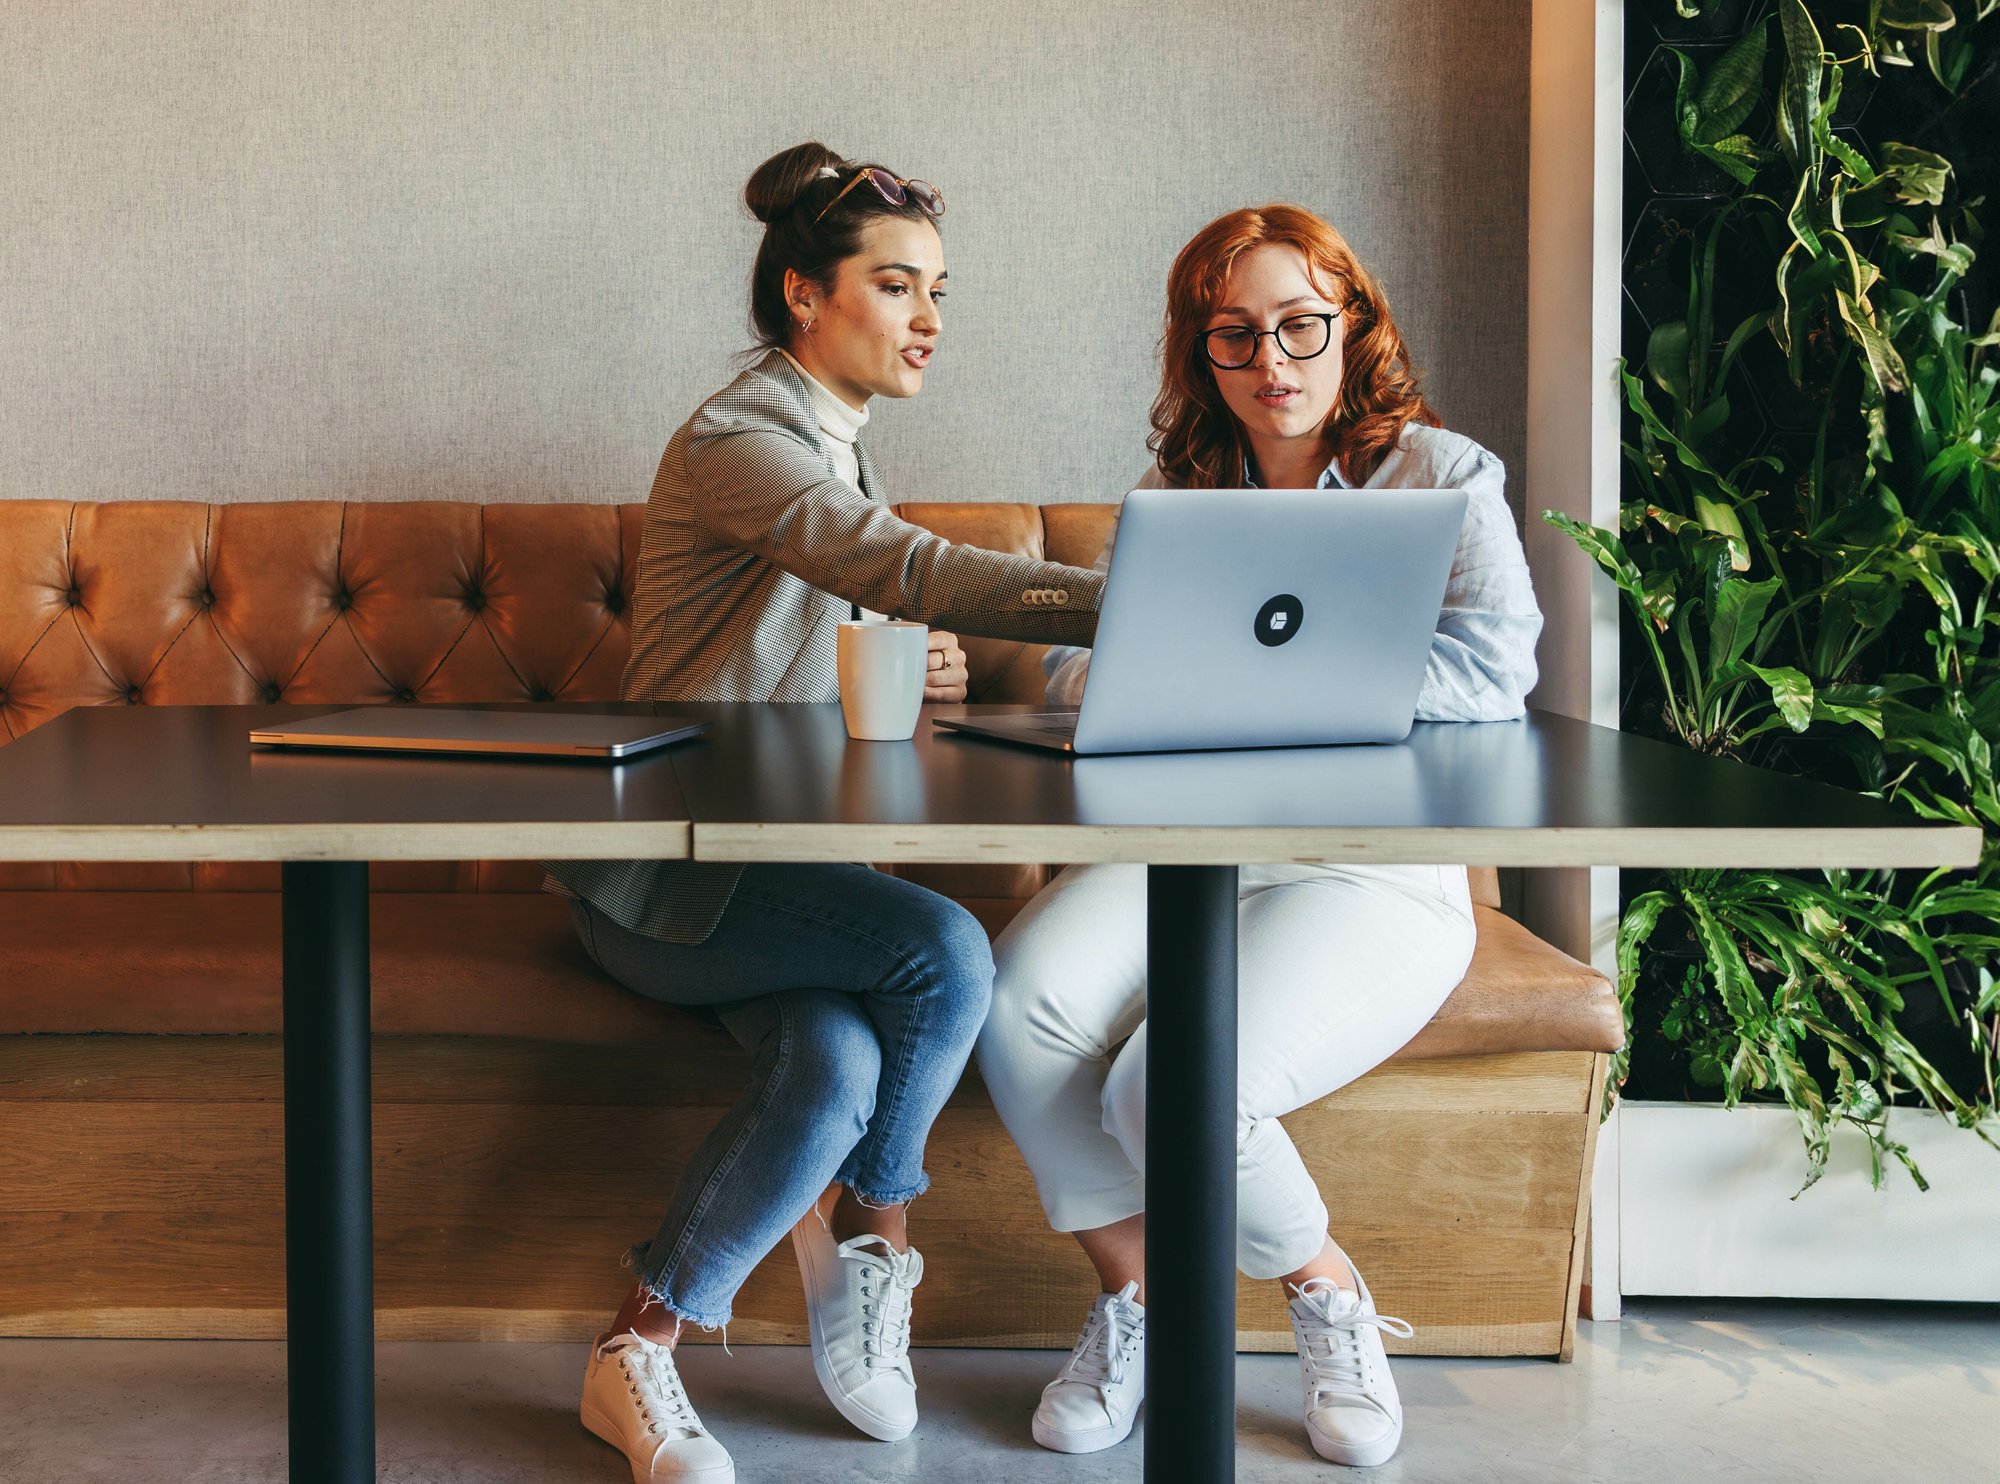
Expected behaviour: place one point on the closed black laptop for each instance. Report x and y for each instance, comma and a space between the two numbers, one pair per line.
578, 734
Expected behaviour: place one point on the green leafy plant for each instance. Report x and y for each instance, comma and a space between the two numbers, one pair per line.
1822, 601
1710, 112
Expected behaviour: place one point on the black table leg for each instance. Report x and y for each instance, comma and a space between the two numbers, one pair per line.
329, 1225
1190, 1174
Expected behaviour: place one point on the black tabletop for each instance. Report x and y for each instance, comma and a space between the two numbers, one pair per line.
185, 782
784, 782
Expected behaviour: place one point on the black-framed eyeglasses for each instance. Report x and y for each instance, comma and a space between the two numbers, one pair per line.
1299, 336
893, 189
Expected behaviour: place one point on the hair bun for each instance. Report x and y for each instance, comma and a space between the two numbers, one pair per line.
777, 185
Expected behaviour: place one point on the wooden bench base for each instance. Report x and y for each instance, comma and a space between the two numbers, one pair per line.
142, 1195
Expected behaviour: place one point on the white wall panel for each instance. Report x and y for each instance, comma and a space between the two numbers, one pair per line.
495, 250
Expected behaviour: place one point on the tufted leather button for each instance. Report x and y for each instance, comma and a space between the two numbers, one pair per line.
207, 598
273, 692
405, 695
615, 601
475, 600
342, 599
131, 695
74, 596
540, 693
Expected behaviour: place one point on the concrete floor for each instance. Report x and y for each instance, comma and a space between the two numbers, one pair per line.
1679, 1391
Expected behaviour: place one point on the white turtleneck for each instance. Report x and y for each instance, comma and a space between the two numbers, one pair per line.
841, 424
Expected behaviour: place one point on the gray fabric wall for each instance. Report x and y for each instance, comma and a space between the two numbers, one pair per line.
494, 249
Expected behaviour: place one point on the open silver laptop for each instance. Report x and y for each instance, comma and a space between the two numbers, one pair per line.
1257, 618
579, 734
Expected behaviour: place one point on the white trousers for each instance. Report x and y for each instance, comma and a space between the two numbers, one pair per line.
1337, 969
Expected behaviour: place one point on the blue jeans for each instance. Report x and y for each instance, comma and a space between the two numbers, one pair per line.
858, 997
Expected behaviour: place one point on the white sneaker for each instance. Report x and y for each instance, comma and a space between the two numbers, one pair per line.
1352, 1411
858, 1308
1093, 1400
633, 1399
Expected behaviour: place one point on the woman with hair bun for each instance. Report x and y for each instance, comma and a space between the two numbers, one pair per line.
857, 995
1282, 369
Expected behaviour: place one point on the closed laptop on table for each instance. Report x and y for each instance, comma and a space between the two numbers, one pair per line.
573, 734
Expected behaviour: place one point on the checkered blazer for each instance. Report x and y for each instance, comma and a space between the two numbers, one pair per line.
752, 550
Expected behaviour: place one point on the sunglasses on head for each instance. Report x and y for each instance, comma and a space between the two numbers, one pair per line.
893, 189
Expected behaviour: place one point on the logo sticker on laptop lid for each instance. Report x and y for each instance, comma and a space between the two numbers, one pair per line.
1279, 620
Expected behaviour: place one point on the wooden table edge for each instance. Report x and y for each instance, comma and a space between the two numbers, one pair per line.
1917, 846
399, 841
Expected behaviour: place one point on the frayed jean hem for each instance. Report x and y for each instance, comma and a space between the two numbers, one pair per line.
656, 1290
880, 1200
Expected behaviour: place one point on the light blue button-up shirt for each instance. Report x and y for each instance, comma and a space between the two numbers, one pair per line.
1482, 659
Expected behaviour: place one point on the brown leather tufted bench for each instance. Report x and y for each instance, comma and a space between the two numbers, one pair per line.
530, 1115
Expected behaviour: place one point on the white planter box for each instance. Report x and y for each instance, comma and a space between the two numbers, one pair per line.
1705, 1209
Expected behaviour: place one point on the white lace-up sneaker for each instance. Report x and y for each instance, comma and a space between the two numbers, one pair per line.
633, 1399
1352, 1411
1093, 1400
858, 1308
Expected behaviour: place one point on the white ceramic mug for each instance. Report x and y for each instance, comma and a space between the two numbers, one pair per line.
882, 678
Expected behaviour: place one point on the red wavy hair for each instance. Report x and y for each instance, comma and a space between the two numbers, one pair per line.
1195, 438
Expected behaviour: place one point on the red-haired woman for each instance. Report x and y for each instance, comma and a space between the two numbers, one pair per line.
1282, 370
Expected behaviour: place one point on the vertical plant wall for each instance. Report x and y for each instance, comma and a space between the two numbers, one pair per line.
1808, 543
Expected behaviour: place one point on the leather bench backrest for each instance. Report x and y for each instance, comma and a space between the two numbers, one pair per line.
164, 602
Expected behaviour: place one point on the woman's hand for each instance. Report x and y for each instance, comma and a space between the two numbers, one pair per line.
947, 676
